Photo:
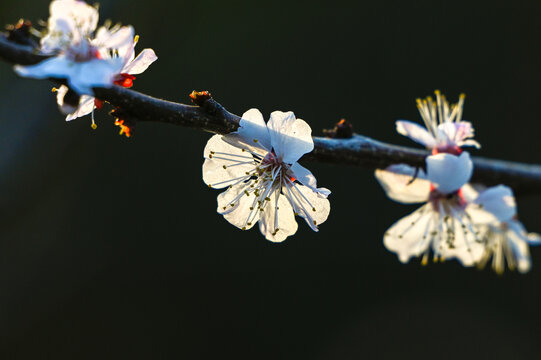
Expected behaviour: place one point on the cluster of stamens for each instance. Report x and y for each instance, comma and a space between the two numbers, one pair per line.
269, 177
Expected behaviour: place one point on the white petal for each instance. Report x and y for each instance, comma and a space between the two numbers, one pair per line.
456, 133
305, 177
410, 236
447, 172
277, 220
214, 173
141, 62
458, 236
415, 132
94, 73
311, 205
290, 138
84, 16
81, 76
122, 38
86, 106
518, 241
499, 201
400, 184
237, 212
55, 67
252, 133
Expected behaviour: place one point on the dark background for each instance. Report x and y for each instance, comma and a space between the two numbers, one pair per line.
110, 248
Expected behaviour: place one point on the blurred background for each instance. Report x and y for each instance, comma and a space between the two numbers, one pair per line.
111, 248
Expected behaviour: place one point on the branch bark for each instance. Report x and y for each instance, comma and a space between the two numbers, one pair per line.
358, 150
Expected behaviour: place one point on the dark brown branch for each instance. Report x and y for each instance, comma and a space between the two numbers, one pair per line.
359, 150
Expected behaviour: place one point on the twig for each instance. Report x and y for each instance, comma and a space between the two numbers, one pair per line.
358, 150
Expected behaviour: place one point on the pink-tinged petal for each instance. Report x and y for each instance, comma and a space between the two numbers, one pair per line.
416, 133
499, 201
252, 133
86, 106
141, 62
448, 172
291, 138
277, 220
402, 184
456, 134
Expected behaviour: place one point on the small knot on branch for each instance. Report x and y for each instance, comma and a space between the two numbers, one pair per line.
342, 130
124, 121
20, 33
204, 100
199, 98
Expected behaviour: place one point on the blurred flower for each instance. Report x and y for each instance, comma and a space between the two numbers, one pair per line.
83, 61
445, 132
506, 238
258, 166
131, 66
444, 225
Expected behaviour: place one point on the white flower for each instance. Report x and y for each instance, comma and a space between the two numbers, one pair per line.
131, 66
506, 238
445, 131
444, 225
76, 56
258, 166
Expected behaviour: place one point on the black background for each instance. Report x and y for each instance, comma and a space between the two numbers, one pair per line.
110, 248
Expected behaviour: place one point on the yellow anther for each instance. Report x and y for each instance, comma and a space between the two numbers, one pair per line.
249, 224
243, 150
210, 186
462, 96
313, 209
255, 140
232, 205
251, 207
136, 39
267, 199
315, 223
210, 156
94, 126
54, 89
244, 228
296, 214
225, 167
424, 261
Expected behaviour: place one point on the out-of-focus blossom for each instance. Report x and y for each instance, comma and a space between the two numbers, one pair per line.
445, 131
444, 225
506, 239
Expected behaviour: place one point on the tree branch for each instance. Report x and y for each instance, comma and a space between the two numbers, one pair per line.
212, 117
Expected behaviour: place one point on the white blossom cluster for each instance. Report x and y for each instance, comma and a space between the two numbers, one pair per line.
258, 164
457, 220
